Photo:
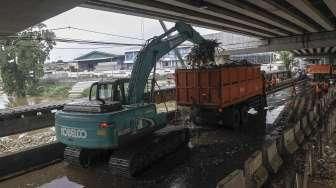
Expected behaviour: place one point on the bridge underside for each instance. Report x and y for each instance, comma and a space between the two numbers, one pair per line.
264, 19
277, 20
17, 15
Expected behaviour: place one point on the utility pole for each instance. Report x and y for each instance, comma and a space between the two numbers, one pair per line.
177, 53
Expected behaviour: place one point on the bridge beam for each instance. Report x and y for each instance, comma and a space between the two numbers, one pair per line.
256, 12
307, 8
17, 15
313, 40
331, 5
227, 14
280, 9
158, 10
326, 49
314, 55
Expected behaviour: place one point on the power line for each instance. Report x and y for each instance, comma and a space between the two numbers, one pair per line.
97, 32
78, 41
59, 28
79, 48
115, 35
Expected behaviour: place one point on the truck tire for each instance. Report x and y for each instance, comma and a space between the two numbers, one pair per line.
236, 119
244, 116
196, 117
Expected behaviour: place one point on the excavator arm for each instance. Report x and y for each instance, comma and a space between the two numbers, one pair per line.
153, 50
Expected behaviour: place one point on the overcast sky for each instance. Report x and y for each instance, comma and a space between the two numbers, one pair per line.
101, 21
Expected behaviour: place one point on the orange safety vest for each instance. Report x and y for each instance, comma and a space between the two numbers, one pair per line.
317, 88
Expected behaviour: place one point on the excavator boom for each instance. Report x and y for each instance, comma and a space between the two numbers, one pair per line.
153, 50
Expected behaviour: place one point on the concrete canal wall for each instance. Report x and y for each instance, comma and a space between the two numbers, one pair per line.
318, 116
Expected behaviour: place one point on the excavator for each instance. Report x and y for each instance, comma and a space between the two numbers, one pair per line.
117, 123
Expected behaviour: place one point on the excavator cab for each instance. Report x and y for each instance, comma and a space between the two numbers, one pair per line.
104, 96
106, 92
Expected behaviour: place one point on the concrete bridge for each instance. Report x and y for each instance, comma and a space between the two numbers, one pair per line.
305, 27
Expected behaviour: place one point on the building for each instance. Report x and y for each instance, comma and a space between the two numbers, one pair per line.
261, 58
89, 61
115, 64
102, 61
169, 60
228, 41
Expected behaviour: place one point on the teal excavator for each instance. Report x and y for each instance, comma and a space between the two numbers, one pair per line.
117, 124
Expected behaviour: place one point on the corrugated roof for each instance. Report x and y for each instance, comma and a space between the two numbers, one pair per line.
95, 55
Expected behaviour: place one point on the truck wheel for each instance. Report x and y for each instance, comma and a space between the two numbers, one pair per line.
235, 118
243, 116
196, 117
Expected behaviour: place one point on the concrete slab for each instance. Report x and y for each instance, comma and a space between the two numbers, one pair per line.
254, 170
330, 127
273, 161
298, 133
305, 126
313, 120
289, 141
235, 179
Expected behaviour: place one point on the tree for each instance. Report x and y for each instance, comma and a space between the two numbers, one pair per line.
286, 58
22, 57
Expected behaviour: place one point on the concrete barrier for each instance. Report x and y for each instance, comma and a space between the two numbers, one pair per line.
330, 125
296, 103
323, 105
333, 123
298, 133
255, 172
273, 161
235, 179
326, 101
316, 109
15, 125
31, 159
312, 119
289, 141
304, 125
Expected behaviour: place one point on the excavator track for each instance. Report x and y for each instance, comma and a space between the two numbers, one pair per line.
72, 156
131, 161
84, 157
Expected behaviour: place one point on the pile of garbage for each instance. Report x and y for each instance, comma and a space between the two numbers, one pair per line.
23, 141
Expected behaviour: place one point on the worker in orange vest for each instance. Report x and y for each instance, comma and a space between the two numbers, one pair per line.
318, 90
325, 87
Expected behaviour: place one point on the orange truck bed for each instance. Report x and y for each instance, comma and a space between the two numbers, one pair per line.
319, 69
218, 87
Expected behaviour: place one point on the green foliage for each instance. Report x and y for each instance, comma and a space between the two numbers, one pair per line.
22, 57
286, 58
55, 90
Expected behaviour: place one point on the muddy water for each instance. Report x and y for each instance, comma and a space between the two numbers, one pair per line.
211, 155
10, 102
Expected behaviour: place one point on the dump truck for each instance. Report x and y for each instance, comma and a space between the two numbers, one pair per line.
221, 95
320, 72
